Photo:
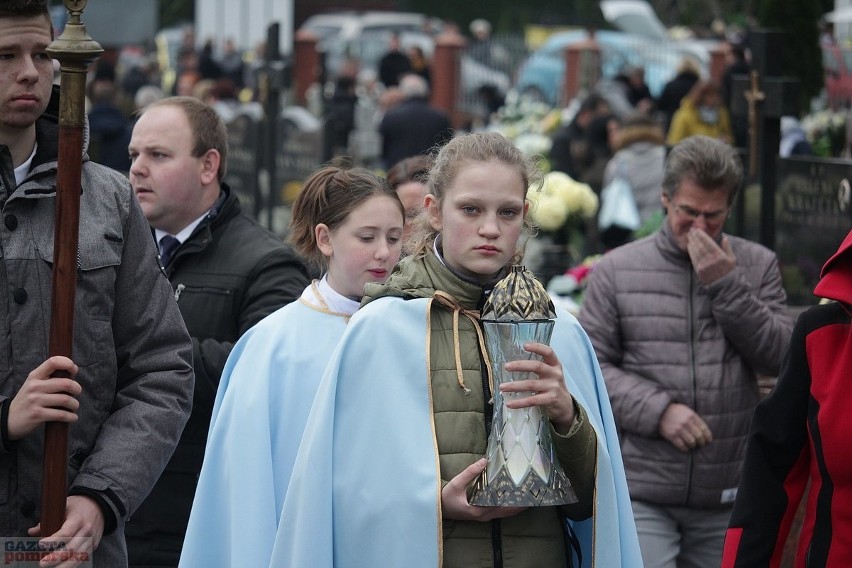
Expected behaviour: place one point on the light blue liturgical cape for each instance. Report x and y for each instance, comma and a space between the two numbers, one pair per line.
261, 407
366, 490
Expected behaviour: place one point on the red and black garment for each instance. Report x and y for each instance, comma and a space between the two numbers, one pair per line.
800, 441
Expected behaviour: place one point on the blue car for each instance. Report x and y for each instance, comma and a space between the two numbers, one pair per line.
542, 75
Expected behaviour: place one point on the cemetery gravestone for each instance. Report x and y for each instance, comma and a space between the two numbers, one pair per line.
299, 155
813, 215
765, 97
243, 151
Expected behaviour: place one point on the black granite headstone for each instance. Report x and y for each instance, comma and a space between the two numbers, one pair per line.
243, 162
299, 155
778, 97
813, 216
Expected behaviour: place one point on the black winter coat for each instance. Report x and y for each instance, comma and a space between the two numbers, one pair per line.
673, 93
412, 128
229, 275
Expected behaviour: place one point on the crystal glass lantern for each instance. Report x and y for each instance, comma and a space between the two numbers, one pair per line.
523, 469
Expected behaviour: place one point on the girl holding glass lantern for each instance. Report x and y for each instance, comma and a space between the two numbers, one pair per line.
401, 421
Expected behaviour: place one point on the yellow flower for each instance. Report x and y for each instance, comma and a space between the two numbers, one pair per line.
577, 198
547, 211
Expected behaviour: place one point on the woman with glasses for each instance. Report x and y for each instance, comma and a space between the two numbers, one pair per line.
682, 322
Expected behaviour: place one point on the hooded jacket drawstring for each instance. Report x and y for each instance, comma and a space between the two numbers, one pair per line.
449, 302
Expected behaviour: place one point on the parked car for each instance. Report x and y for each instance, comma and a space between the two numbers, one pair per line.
641, 41
542, 75
348, 25
365, 37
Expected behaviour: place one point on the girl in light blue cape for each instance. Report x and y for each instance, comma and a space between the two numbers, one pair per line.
372, 485
350, 223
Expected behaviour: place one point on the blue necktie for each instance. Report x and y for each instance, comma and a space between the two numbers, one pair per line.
168, 245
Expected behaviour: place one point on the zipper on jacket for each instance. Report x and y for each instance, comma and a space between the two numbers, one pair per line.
487, 395
496, 539
488, 410
180, 288
497, 543
690, 312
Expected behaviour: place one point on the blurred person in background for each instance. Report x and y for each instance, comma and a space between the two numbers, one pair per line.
638, 93
146, 95
482, 47
688, 74
419, 64
570, 149
109, 127
139, 72
601, 137
339, 118
394, 63
413, 126
231, 63
208, 66
187, 72
600, 140
202, 88
640, 152
408, 178
702, 111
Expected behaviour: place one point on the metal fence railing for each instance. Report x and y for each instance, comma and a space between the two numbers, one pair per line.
487, 72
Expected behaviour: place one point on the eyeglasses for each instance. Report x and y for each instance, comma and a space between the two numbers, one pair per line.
709, 216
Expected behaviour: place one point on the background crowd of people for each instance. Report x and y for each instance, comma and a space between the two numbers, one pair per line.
237, 400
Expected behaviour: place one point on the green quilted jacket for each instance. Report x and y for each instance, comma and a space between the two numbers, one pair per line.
534, 537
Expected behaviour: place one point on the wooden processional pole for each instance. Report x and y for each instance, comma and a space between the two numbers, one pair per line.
74, 50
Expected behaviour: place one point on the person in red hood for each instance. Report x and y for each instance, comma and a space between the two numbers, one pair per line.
799, 441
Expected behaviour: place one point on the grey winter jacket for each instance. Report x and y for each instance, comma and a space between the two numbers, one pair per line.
641, 164
130, 343
663, 337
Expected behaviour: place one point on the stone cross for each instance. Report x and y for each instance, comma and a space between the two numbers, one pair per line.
767, 96
754, 97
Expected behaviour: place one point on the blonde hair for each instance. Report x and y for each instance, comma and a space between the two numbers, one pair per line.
461, 151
